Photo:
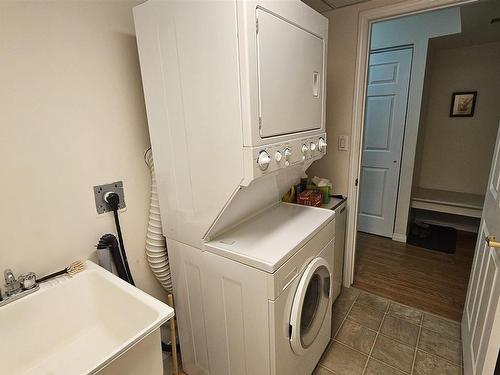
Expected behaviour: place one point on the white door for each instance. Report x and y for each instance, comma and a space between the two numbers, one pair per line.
291, 75
481, 317
385, 118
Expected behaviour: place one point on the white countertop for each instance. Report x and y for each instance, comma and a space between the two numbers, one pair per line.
269, 239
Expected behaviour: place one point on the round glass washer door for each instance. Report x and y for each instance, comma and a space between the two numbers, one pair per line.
310, 305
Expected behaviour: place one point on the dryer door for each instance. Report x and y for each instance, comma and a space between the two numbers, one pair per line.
290, 72
310, 305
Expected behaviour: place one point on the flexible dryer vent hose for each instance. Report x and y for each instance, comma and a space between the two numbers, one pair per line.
156, 247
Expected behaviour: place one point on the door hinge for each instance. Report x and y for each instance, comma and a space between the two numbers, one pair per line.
290, 328
356, 182
260, 123
257, 25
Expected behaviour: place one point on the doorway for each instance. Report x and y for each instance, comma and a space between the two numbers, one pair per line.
450, 166
453, 150
385, 192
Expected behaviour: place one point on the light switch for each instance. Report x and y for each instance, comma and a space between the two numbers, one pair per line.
343, 142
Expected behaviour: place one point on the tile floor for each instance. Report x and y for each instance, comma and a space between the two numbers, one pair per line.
376, 336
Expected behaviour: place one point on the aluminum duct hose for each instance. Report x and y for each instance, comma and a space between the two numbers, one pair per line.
156, 246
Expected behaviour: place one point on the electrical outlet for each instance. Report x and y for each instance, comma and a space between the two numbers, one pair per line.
100, 204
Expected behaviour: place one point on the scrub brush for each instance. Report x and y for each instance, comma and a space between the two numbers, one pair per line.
71, 270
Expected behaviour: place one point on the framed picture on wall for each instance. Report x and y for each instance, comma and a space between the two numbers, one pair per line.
463, 104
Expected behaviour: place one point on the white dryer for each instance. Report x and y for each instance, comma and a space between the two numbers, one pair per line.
271, 291
235, 96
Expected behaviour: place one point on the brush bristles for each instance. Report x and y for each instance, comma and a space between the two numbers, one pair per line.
75, 268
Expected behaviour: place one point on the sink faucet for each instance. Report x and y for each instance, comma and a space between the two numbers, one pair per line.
12, 286
15, 289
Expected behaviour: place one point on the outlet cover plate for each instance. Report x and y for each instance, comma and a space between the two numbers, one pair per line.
343, 143
99, 191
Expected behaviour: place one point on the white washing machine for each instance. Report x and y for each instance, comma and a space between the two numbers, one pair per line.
271, 291
235, 97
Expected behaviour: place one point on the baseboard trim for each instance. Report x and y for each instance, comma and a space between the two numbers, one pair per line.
399, 237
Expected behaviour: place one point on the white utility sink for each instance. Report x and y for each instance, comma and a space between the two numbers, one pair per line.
91, 323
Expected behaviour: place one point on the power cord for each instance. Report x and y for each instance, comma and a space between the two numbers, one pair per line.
113, 200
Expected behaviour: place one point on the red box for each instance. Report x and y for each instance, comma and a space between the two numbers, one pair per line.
310, 198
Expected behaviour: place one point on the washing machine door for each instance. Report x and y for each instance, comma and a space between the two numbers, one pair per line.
310, 305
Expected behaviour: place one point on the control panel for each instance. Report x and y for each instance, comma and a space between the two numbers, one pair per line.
266, 159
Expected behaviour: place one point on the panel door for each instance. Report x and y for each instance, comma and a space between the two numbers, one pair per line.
291, 76
385, 118
481, 317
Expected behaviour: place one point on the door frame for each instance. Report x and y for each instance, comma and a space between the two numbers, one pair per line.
365, 21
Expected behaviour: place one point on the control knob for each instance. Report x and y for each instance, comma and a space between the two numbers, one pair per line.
287, 153
304, 149
263, 160
312, 146
322, 144
278, 156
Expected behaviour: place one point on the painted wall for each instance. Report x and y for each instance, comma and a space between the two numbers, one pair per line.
342, 44
412, 30
72, 114
455, 153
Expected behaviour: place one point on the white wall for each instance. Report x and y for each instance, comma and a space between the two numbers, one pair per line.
455, 153
415, 29
72, 116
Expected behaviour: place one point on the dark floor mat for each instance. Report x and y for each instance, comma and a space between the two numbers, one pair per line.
433, 237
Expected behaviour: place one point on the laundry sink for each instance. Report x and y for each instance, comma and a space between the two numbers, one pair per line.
91, 323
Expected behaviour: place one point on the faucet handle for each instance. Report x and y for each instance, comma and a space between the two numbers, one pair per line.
9, 276
28, 280
12, 286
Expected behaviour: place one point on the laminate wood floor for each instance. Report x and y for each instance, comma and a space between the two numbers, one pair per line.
428, 280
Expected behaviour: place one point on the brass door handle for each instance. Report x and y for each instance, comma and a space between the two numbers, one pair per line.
492, 242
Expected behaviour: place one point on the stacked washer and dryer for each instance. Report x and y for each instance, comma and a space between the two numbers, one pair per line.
235, 99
